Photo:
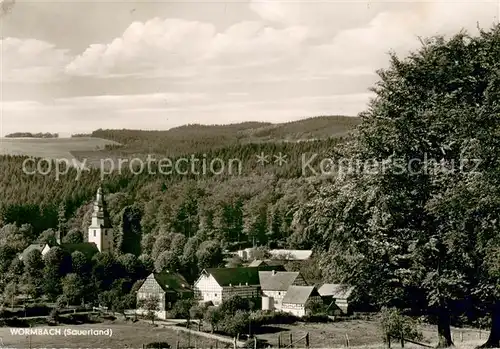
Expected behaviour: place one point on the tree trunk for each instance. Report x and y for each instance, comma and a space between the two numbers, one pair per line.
494, 337
444, 329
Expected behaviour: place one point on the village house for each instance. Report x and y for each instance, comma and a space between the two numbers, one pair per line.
87, 248
168, 287
336, 297
279, 254
43, 248
298, 298
218, 284
265, 263
274, 286
291, 255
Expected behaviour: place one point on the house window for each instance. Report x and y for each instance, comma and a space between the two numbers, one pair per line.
279, 293
94, 233
106, 233
215, 295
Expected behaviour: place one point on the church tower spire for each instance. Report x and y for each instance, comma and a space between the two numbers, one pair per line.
100, 230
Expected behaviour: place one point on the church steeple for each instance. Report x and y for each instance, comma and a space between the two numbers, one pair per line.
100, 230
100, 216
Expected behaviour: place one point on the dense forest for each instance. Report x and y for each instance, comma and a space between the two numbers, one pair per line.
414, 225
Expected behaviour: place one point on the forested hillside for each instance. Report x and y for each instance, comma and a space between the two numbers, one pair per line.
177, 221
202, 138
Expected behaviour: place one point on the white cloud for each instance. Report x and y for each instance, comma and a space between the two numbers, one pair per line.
117, 102
365, 48
162, 47
31, 60
293, 49
322, 18
299, 41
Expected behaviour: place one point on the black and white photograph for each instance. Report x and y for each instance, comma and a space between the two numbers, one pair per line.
249, 174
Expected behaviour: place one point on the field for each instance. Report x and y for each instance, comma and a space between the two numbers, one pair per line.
123, 336
50, 148
361, 334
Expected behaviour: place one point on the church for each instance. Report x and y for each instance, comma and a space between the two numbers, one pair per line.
99, 237
100, 231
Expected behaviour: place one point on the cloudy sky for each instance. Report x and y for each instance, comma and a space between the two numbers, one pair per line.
75, 66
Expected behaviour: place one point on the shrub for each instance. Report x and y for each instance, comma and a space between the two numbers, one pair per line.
396, 325
266, 317
39, 309
54, 316
236, 324
214, 317
158, 345
181, 308
231, 305
316, 318
315, 307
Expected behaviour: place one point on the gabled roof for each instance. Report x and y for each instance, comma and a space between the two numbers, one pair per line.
278, 281
338, 291
169, 281
38, 247
89, 249
257, 263
299, 294
237, 276
292, 254
261, 263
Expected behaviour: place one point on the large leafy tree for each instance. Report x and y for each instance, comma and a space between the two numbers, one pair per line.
400, 223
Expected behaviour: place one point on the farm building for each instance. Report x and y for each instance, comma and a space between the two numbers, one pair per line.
244, 254
274, 286
297, 299
168, 287
43, 248
217, 284
265, 263
336, 296
291, 255
279, 254
87, 248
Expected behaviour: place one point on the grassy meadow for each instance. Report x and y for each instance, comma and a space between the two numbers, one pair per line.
360, 333
50, 148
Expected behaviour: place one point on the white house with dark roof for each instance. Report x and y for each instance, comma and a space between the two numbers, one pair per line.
337, 295
168, 287
274, 285
43, 248
217, 284
291, 255
297, 298
281, 254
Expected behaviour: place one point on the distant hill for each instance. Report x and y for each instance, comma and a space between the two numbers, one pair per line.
199, 138
32, 135
178, 141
